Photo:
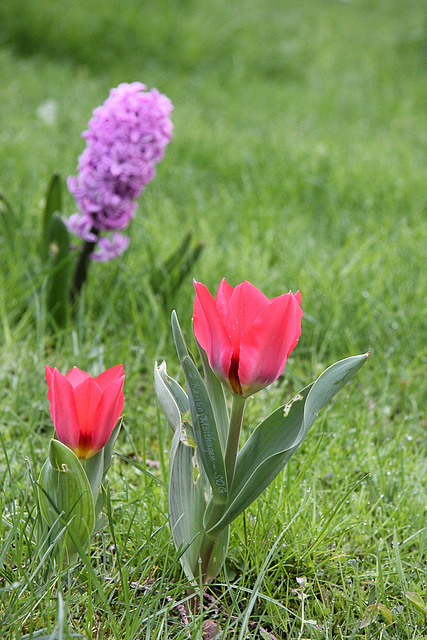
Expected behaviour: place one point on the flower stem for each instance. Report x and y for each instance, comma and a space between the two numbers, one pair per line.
82, 266
236, 417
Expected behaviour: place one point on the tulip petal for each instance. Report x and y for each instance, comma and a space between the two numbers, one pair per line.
63, 409
106, 377
268, 343
222, 300
87, 396
76, 376
245, 304
210, 331
107, 413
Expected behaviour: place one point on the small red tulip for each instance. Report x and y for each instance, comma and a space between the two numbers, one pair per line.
246, 336
84, 409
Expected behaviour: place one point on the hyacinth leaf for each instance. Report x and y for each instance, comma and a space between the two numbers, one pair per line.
53, 205
186, 504
170, 274
8, 222
204, 428
274, 441
172, 398
216, 394
58, 278
65, 497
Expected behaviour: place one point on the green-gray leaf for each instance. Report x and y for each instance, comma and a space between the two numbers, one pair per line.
65, 496
275, 440
186, 504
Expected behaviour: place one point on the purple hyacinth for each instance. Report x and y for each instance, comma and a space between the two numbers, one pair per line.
109, 248
125, 139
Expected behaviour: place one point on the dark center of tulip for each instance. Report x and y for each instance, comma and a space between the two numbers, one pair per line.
233, 374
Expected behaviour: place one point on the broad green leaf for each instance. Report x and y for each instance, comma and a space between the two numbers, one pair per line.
52, 206
205, 431
180, 345
217, 398
204, 428
219, 554
275, 440
415, 599
175, 389
94, 468
65, 496
186, 504
172, 398
59, 272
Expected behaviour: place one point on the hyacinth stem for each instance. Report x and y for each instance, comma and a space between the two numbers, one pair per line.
82, 267
236, 417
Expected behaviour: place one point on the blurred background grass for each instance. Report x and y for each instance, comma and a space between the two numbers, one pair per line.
299, 156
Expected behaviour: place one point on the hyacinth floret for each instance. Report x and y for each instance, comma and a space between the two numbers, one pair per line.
126, 137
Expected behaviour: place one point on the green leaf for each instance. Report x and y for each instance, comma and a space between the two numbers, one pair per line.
219, 554
276, 439
59, 272
217, 398
108, 449
205, 431
8, 222
94, 468
172, 398
53, 205
186, 504
204, 428
65, 497
415, 599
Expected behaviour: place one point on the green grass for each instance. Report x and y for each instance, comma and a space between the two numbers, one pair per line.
299, 157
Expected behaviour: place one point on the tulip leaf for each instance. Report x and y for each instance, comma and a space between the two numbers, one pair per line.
205, 431
204, 427
172, 398
219, 554
217, 398
65, 497
274, 441
94, 468
186, 504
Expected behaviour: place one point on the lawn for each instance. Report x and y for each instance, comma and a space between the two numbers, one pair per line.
299, 159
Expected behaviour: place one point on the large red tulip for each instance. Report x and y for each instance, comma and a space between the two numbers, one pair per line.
246, 336
84, 409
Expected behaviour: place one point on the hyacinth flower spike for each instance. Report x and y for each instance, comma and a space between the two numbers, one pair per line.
126, 138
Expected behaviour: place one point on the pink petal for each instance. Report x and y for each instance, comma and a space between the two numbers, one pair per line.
244, 306
210, 331
107, 413
63, 409
266, 346
87, 396
105, 378
76, 376
222, 300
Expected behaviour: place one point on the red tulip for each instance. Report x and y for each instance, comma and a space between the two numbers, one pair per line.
84, 409
246, 336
